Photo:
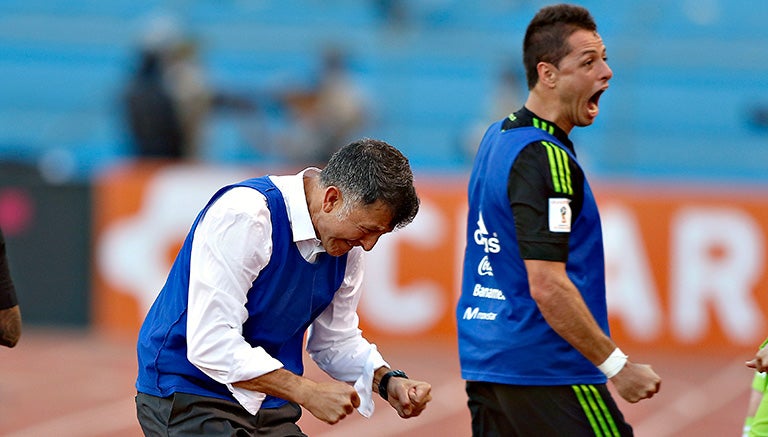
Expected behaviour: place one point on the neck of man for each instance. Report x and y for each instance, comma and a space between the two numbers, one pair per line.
545, 103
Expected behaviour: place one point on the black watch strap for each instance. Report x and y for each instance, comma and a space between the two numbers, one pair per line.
385, 381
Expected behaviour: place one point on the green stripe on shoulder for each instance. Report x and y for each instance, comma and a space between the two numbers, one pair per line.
553, 165
543, 125
559, 167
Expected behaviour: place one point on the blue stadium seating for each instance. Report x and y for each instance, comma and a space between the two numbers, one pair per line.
686, 76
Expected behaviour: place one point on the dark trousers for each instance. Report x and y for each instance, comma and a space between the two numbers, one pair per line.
544, 411
184, 414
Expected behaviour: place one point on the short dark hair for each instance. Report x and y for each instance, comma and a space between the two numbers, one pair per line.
546, 38
368, 170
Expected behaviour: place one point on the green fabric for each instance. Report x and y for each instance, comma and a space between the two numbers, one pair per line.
759, 426
558, 165
759, 382
759, 423
596, 411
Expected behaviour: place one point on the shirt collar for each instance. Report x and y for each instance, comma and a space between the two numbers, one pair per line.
292, 188
526, 117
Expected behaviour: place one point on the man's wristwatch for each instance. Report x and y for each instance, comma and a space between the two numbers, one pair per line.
385, 381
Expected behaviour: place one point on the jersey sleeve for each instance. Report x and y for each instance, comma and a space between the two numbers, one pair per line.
544, 185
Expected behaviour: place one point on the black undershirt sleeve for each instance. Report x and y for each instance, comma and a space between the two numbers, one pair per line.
529, 189
7, 290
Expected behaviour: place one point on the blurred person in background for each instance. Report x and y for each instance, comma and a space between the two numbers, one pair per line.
393, 13
151, 112
167, 101
756, 420
329, 114
266, 260
10, 314
534, 341
505, 96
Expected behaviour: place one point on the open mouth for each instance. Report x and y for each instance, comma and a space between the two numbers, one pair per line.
593, 105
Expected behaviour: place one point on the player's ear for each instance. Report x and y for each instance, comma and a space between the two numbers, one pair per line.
332, 199
547, 74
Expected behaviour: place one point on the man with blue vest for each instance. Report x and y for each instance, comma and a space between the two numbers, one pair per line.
534, 343
266, 261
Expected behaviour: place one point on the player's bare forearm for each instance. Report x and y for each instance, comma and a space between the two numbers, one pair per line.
10, 326
566, 312
575, 324
280, 383
328, 401
563, 308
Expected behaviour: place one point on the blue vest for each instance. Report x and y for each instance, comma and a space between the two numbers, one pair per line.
503, 338
285, 298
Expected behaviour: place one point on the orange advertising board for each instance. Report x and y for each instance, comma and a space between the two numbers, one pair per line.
685, 267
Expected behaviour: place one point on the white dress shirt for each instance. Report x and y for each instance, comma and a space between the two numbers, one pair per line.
232, 244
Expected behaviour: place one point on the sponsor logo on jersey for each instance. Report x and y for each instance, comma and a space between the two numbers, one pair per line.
484, 267
488, 292
490, 243
475, 314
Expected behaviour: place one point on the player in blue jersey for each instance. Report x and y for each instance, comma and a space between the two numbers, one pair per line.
534, 341
266, 261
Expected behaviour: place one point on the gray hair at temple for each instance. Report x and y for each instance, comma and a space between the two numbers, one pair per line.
368, 170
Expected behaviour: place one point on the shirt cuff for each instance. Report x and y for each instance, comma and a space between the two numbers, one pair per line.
249, 399
251, 363
364, 384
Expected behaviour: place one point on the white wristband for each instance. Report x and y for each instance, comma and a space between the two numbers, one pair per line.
614, 363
